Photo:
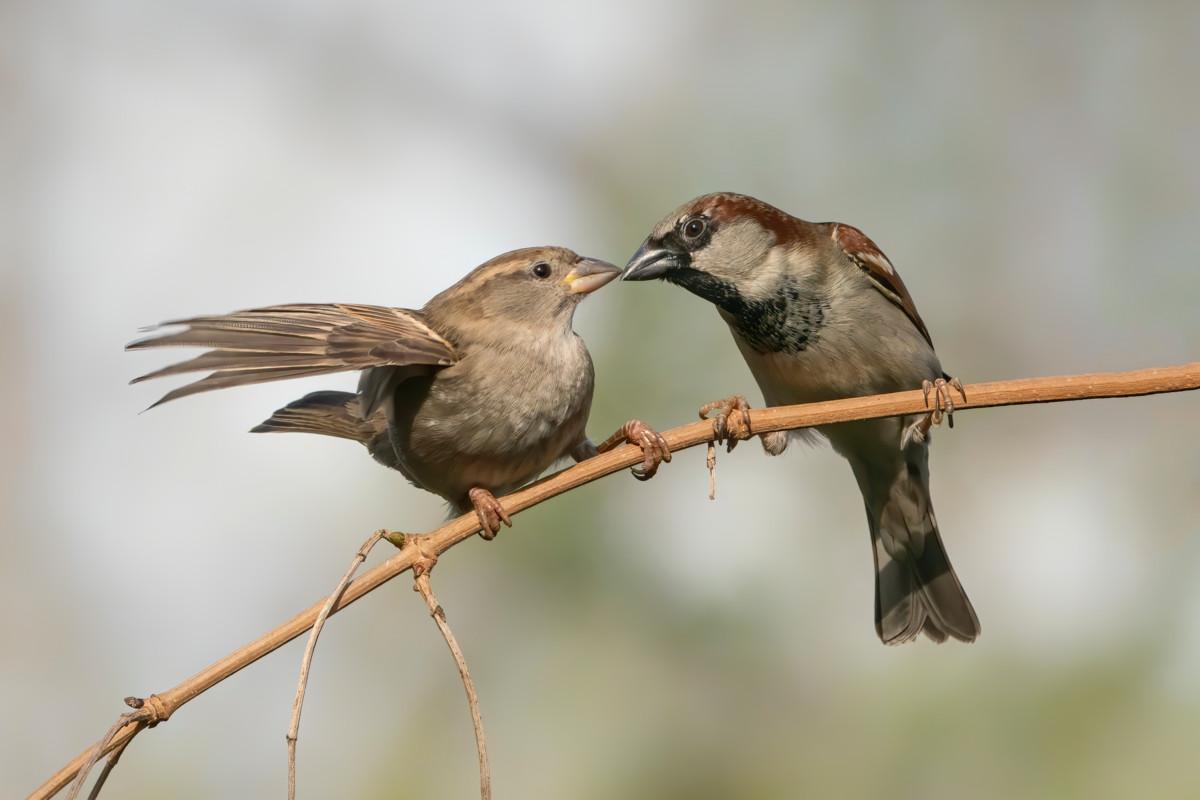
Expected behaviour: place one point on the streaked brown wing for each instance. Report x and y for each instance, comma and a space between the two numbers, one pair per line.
292, 341
876, 266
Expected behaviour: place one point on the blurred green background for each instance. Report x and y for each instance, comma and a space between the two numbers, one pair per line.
1031, 168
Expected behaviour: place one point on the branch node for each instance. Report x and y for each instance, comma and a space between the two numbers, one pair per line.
150, 710
424, 557
139, 716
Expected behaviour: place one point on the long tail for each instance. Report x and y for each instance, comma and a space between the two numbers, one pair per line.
333, 414
916, 590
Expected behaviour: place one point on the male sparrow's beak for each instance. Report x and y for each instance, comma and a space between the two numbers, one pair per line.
652, 261
589, 274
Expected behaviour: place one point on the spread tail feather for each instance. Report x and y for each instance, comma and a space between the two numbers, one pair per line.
916, 590
921, 594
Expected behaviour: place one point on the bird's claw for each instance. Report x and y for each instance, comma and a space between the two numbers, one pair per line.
724, 432
491, 514
943, 401
655, 450
943, 406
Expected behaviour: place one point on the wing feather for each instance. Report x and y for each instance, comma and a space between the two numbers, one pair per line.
291, 341
876, 266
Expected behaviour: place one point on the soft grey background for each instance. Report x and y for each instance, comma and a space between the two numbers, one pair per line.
1031, 168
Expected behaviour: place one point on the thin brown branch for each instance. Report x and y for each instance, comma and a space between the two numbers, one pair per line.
1156, 380
97, 751
710, 461
306, 662
109, 766
146, 714
421, 584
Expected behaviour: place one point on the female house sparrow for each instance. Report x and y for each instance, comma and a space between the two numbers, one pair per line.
819, 313
472, 396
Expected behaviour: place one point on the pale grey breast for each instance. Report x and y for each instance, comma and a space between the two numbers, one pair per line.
463, 428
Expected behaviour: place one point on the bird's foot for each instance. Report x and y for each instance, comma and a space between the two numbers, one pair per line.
732, 422
655, 450
943, 407
489, 511
943, 402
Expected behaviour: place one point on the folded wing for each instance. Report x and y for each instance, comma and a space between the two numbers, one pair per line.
875, 265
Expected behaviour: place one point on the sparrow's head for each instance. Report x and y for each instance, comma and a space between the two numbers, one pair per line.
720, 242
535, 286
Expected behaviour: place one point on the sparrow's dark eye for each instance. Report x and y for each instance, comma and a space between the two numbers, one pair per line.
541, 270
695, 227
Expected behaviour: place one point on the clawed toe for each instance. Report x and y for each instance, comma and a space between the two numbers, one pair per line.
943, 406
943, 401
655, 450
489, 511
721, 427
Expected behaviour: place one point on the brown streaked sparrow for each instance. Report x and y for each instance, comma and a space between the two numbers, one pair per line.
471, 397
819, 313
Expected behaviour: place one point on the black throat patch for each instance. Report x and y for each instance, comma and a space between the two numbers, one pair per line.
788, 322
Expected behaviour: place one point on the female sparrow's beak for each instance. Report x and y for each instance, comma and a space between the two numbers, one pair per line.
652, 261
589, 274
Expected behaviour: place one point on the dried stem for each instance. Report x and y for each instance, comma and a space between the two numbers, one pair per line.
109, 765
306, 662
1156, 380
710, 461
96, 752
421, 584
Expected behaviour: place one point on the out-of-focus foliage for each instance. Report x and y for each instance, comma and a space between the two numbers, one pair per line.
1032, 170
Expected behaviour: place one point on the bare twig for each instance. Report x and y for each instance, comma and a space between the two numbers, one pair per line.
306, 662
109, 765
146, 713
96, 752
710, 461
421, 570
1156, 380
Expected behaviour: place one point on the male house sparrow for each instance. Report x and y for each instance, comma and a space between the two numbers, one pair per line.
472, 396
819, 313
